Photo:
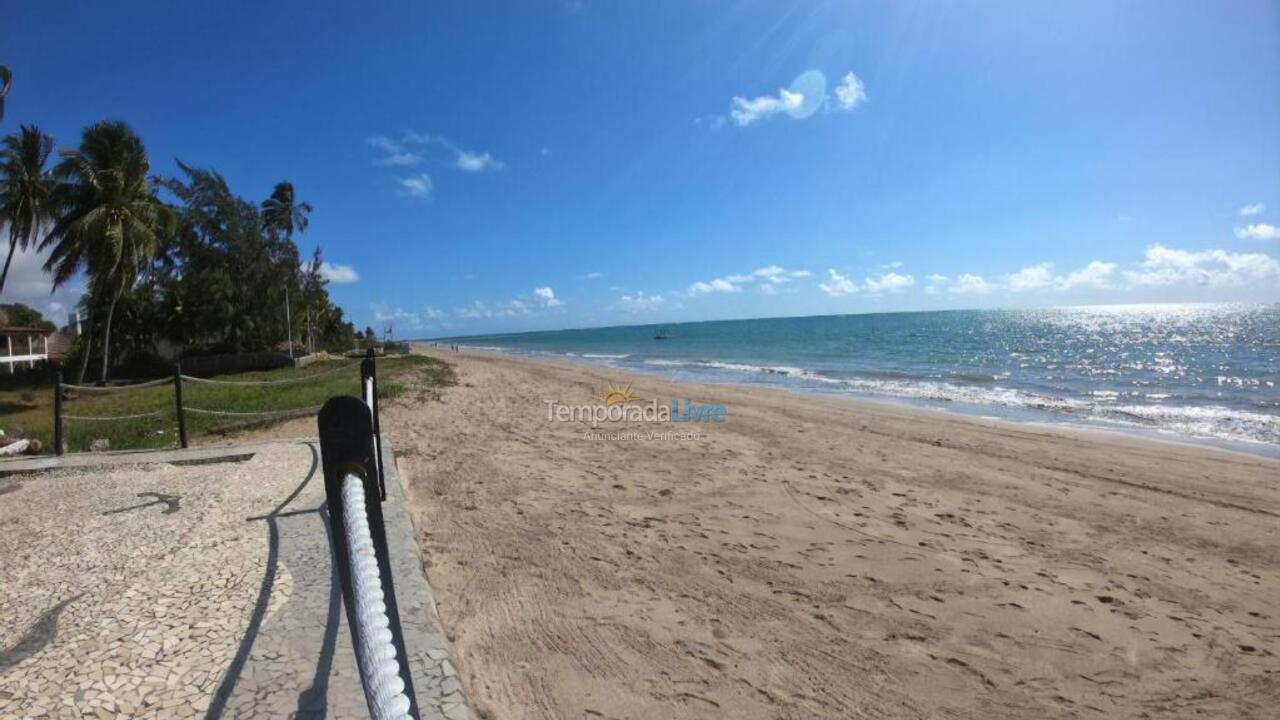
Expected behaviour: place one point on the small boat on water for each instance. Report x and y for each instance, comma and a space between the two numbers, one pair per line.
662, 334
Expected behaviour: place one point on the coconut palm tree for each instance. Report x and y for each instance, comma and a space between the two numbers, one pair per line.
282, 214
25, 189
110, 223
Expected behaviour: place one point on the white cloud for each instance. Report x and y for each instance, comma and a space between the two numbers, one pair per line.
402, 159
475, 311
936, 283
776, 275
393, 153
547, 297
1096, 274
418, 187
767, 275
1212, 268
968, 283
1253, 209
1035, 277
383, 143
338, 274
745, 111
850, 93
1258, 231
542, 299
837, 284
477, 162
806, 95
890, 282
427, 317
480, 311
591, 276
410, 149
640, 302
719, 285
29, 284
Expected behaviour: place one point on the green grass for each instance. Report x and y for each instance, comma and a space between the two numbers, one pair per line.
31, 409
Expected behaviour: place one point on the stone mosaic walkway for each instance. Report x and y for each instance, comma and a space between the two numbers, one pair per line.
206, 590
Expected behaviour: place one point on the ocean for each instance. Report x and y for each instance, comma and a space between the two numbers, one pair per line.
1190, 372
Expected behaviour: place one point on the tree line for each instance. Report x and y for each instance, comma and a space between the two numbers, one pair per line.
178, 260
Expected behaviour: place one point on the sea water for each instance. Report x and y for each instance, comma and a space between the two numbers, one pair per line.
1208, 372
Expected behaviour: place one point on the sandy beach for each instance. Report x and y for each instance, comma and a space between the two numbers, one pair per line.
818, 557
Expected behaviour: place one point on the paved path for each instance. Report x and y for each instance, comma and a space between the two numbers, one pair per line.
149, 589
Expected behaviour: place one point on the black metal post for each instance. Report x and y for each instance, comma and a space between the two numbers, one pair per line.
347, 447
177, 399
369, 371
57, 413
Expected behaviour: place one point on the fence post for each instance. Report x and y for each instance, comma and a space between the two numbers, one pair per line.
369, 381
177, 398
57, 412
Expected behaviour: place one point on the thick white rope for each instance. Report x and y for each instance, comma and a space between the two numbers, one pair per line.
375, 652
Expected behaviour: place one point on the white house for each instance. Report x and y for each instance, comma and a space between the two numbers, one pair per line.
21, 345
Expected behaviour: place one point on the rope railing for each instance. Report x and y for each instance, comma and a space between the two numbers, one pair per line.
252, 413
350, 449
375, 650
111, 388
177, 379
250, 383
137, 416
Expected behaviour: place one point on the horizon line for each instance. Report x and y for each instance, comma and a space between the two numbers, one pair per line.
850, 314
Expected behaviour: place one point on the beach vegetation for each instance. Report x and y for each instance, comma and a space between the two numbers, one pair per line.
26, 189
149, 415
171, 265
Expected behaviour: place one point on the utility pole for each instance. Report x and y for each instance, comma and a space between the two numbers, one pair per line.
288, 323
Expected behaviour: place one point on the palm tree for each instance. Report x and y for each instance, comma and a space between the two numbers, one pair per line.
282, 214
110, 222
25, 189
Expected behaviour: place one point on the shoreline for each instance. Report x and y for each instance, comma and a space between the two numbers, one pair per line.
813, 557
1019, 416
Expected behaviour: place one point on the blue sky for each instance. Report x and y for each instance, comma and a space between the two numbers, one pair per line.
483, 167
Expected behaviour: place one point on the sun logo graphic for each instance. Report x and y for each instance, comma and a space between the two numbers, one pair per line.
616, 395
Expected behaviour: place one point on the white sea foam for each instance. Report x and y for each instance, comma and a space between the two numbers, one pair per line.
665, 363
1102, 406
735, 367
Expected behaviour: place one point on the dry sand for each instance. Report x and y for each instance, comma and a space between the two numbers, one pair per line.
827, 558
